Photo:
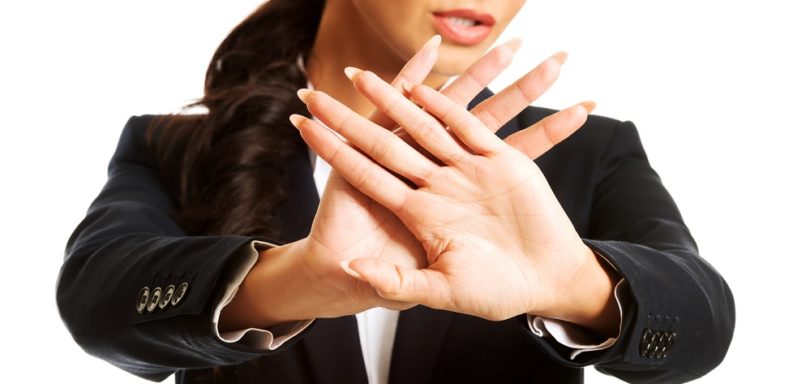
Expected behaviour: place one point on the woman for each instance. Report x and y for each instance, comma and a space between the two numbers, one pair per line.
208, 247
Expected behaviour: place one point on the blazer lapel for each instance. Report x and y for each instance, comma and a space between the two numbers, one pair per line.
420, 334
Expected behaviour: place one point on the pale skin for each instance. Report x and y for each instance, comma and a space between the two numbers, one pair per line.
476, 231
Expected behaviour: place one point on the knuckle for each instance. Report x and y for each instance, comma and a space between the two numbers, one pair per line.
487, 117
343, 122
478, 77
424, 130
545, 130
526, 91
455, 157
391, 289
382, 149
361, 175
422, 177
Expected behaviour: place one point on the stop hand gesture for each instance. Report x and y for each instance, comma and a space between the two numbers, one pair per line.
497, 241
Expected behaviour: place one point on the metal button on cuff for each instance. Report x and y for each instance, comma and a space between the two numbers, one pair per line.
143, 299
153, 303
167, 297
179, 293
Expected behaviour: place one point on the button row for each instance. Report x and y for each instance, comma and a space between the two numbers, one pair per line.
151, 299
656, 344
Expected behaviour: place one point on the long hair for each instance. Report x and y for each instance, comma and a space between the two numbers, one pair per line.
225, 167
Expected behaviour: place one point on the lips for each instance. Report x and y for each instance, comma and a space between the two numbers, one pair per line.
463, 26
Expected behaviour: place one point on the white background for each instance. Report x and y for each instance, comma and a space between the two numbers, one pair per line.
717, 88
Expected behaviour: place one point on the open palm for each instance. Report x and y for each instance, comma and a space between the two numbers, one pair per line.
483, 212
349, 225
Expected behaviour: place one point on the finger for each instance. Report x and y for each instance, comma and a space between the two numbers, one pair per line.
466, 127
499, 109
423, 128
380, 144
478, 76
365, 175
470, 83
381, 302
419, 67
393, 282
538, 138
415, 71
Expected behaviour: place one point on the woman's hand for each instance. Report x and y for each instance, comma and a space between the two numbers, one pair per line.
350, 225
303, 280
498, 243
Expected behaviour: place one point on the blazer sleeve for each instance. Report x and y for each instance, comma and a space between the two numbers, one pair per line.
680, 321
128, 244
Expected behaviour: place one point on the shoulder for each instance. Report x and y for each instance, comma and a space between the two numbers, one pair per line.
133, 144
141, 133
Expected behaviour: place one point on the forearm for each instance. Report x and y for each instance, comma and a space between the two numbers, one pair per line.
155, 342
683, 318
280, 288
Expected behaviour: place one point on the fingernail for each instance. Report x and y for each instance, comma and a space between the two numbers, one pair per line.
434, 41
514, 44
407, 86
588, 105
303, 94
297, 120
561, 57
351, 272
351, 72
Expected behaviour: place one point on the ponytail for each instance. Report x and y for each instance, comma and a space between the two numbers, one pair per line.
224, 166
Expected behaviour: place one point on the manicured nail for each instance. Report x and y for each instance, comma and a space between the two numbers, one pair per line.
434, 41
351, 72
297, 120
514, 44
561, 57
407, 86
351, 272
303, 94
588, 105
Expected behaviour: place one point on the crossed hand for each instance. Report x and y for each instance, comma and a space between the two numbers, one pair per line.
447, 214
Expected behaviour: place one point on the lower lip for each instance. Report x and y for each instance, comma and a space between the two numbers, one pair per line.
461, 34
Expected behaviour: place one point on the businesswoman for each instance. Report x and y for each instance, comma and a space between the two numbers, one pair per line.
222, 249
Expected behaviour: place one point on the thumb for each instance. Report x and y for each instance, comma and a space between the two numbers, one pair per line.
393, 282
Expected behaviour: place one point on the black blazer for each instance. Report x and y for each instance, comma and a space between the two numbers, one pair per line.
677, 325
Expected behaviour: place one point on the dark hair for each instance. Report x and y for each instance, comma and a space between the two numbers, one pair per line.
224, 167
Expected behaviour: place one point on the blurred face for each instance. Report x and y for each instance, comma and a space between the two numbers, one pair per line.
468, 27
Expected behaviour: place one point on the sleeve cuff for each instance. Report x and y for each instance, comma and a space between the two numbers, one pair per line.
573, 336
267, 339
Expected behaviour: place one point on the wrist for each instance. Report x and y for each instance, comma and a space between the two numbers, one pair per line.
588, 298
270, 294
